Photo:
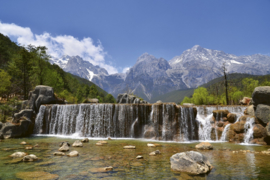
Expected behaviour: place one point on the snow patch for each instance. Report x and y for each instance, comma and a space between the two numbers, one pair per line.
91, 75
235, 62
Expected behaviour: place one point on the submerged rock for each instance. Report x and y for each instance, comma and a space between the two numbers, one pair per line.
109, 168
77, 144
139, 157
40, 175
73, 154
99, 144
64, 147
18, 154
23, 143
190, 162
29, 147
129, 147
29, 158
58, 153
85, 140
103, 142
204, 146
154, 153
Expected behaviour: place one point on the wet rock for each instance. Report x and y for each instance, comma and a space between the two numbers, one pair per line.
29, 147
109, 138
239, 127
218, 114
150, 145
139, 157
18, 154
85, 140
109, 168
64, 147
154, 153
40, 175
250, 111
62, 143
136, 164
23, 143
204, 146
103, 142
259, 131
261, 95
190, 162
73, 154
77, 144
129, 147
231, 117
263, 113
58, 153
245, 101
29, 158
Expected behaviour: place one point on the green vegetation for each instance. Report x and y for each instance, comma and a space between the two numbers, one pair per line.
214, 92
23, 68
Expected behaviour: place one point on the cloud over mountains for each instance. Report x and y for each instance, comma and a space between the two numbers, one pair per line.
60, 45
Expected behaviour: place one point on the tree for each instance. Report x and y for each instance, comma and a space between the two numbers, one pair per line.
109, 99
5, 81
249, 86
200, 96
186, 100
225, 82
93, 93
40, 61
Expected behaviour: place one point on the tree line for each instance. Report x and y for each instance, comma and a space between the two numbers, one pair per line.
215, 94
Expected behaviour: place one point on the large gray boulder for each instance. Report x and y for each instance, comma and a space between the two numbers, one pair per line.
42, 95
27, 113
129, 99
250, 111
190, 162
261, 95
263, 113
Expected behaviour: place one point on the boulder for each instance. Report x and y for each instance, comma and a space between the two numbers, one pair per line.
267, 128
129, 99
204, 146
139, 157
18, 154
190, 162
239, 127
77, 143
159, 101
73, 154
85, 140
263, 113
42, 95
219, 114
23, 143
154, 153
23, 114
231, 117
250, 111
261, 95
88, 100
259, 131
29, 158
64, 147
245, 101
58, 154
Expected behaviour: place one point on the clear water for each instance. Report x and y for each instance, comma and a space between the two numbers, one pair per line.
227, 165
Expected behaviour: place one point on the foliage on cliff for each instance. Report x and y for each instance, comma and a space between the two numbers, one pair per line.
22, 68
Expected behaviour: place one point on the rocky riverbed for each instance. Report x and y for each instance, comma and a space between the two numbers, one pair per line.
112, 161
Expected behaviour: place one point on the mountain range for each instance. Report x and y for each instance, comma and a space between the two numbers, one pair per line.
151, 77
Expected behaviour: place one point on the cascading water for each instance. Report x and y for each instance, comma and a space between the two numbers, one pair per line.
249, 130
224, 133
157, 121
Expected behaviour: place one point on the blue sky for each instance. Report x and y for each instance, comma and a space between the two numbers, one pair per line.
119, 31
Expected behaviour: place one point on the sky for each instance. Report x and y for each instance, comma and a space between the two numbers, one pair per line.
114, 33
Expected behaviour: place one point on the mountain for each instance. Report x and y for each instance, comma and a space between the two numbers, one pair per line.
152, 77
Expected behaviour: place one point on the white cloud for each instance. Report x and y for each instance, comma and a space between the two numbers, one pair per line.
125, 69
60, 45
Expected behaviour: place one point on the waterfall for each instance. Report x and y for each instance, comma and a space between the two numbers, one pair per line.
249, 130
224, 133
205, 127
158, 121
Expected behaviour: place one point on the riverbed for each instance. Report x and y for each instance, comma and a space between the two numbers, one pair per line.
227, 165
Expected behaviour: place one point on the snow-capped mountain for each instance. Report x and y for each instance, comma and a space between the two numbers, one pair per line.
151, 76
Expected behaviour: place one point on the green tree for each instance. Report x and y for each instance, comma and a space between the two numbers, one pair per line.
186, 100
109, 99
249, 86
93, 93
200, 96
5, 81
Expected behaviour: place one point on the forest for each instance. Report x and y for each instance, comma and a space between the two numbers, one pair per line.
23, 68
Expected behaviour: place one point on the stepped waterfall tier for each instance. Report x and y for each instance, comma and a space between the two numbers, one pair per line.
158, 121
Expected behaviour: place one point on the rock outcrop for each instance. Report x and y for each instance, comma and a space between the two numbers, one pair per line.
190, 162
129, 99
42, 95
